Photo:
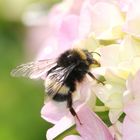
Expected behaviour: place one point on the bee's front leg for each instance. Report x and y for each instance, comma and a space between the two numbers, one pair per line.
71, 109
93, 77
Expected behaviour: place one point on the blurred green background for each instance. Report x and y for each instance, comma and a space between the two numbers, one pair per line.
21, 99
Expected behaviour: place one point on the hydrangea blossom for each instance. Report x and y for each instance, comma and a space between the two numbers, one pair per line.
132, 108
112, 28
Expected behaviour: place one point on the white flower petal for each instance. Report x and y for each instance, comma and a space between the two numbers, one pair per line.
73, 137
61, 126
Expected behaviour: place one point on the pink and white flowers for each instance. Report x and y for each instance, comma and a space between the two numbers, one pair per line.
112, 28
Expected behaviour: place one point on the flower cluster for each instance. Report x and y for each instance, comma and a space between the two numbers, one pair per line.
112, 28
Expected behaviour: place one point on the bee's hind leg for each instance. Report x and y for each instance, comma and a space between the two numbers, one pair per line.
71, 109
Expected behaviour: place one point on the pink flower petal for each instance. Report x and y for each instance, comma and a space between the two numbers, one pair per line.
132, 110
88, 98
124, 4
53, 112
85, 20
132, 23
50, 49
75, 6
102, 18
131, 130
68, 31
92, 127
133, 85
73, 137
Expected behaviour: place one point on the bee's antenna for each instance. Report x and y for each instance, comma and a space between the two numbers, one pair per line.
96, 53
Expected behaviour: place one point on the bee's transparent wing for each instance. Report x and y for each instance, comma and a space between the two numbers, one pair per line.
34, 70
55, 81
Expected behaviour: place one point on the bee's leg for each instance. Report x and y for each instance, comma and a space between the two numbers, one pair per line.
92, 76
69, 104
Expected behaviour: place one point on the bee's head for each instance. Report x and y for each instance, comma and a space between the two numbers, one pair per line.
96, 63
91, 61
78, 57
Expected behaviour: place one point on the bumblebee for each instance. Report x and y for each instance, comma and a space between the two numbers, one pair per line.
62, 74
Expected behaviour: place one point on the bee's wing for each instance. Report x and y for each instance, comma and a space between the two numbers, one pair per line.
35, 69
55, 81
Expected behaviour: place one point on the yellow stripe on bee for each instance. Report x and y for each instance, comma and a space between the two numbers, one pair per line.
64, 90
81, 53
